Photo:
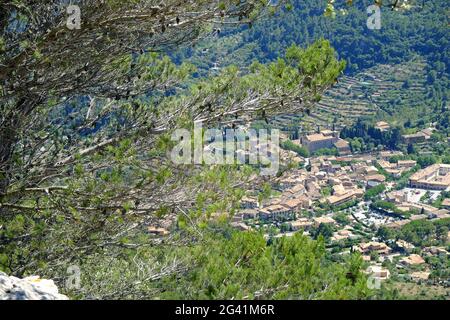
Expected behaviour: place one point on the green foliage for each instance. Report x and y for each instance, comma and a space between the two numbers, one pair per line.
326, 152
238, 265
419, 30
385, 233
388, 207
326, 191
405, 35
289, 145
426, 160
324, 230
342, 218
365, 137
375, 191
346, 205
265, 192
421, 233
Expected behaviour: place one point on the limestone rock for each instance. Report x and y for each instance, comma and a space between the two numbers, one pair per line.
29, 288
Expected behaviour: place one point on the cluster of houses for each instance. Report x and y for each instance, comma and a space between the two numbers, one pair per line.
434, 177
396, 169
418, 137
405, 258
347, 178
333, 181
424, 211
298, 189
282, 208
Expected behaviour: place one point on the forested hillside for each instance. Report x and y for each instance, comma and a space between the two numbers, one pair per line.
420, 33
419, 30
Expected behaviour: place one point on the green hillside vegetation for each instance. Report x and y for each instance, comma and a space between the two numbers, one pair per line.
420, 233
229, 265
403, 34
400, 69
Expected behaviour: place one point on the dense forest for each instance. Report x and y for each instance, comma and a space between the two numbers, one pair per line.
420, 30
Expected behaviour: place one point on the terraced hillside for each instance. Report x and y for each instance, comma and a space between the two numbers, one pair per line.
383, 90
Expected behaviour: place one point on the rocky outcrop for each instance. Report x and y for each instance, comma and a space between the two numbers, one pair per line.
30, 288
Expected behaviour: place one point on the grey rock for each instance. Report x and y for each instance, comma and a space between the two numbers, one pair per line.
29, 288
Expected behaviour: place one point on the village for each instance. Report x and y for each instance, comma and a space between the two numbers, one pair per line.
366, 202
352, 200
